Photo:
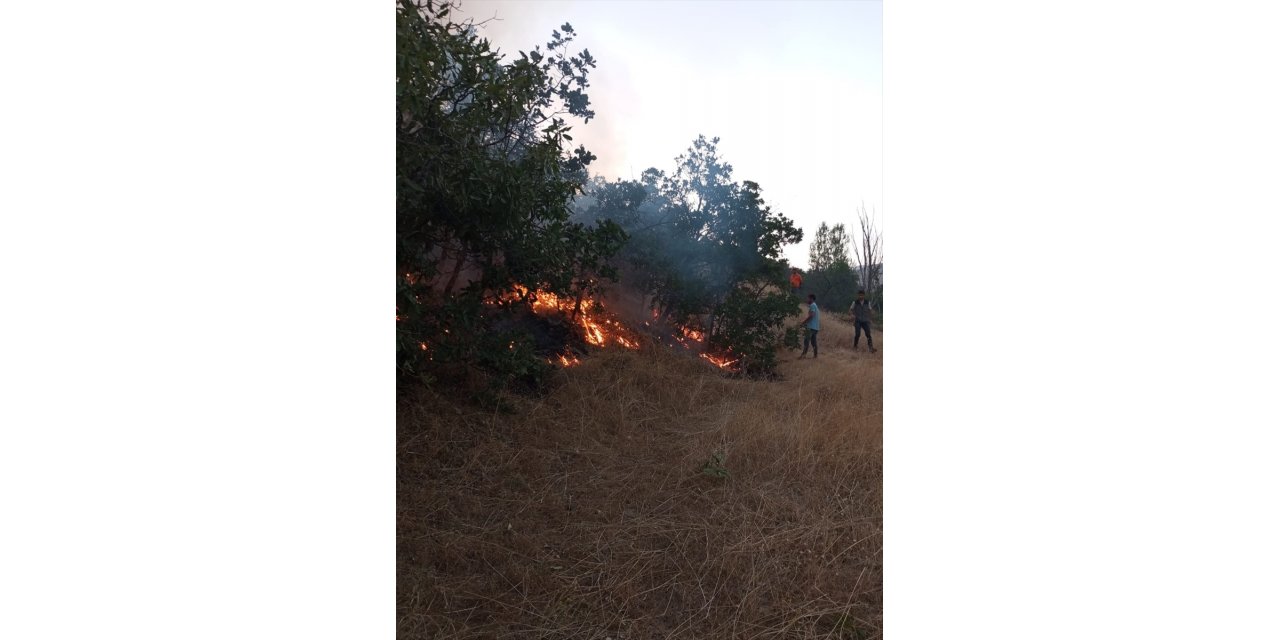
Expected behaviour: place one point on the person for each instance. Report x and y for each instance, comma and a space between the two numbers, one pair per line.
811, 327
861, 310
796, 281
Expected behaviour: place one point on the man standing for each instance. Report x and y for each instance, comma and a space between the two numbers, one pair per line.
796, 281
861, 311
811, 327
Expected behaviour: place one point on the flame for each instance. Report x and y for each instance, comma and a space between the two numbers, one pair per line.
598, 328
692, 334
720, 361
593, 333
685, 334
565, 360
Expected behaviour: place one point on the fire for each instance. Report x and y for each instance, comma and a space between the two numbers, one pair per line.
566, 360
592, 332
692, 334
544, 300
598, 328
684, 334
720, 361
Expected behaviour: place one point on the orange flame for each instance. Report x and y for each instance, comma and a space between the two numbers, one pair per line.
685, 335
592, 331
566, 361
720, 361
597, 328
692, 334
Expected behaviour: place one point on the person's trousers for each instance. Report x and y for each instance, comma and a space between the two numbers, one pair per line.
810, 338
858, 328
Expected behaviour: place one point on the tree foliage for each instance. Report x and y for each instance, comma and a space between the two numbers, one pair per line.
836, 279
706, 251
836, 287
484, 180
830, 247
831, 277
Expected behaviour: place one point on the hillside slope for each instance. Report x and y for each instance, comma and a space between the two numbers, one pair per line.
600, 509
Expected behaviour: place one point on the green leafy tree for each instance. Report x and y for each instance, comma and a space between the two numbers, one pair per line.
484, 182
829, 247
831, 277
707, 252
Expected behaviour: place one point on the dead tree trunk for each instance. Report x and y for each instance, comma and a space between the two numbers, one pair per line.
869, 251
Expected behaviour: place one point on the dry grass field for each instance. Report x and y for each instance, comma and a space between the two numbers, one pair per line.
648, 495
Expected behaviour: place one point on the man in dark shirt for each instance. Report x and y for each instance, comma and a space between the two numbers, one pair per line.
861, 311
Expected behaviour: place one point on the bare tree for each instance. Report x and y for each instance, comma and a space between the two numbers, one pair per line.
868, 254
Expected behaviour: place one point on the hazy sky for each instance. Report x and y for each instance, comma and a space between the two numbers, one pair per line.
792, 89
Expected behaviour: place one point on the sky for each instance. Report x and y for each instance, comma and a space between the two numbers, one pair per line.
792, 89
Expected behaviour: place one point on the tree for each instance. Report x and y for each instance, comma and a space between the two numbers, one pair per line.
830, 246
484, 181
707, 252
831, 277
870, 261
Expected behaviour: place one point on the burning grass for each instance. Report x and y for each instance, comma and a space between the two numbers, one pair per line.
598, 327
726, 362
647, 496
601, 329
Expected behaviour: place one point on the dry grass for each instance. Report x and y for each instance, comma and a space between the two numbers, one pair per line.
586, 515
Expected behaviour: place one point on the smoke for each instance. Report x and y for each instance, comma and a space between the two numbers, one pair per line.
695, 234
